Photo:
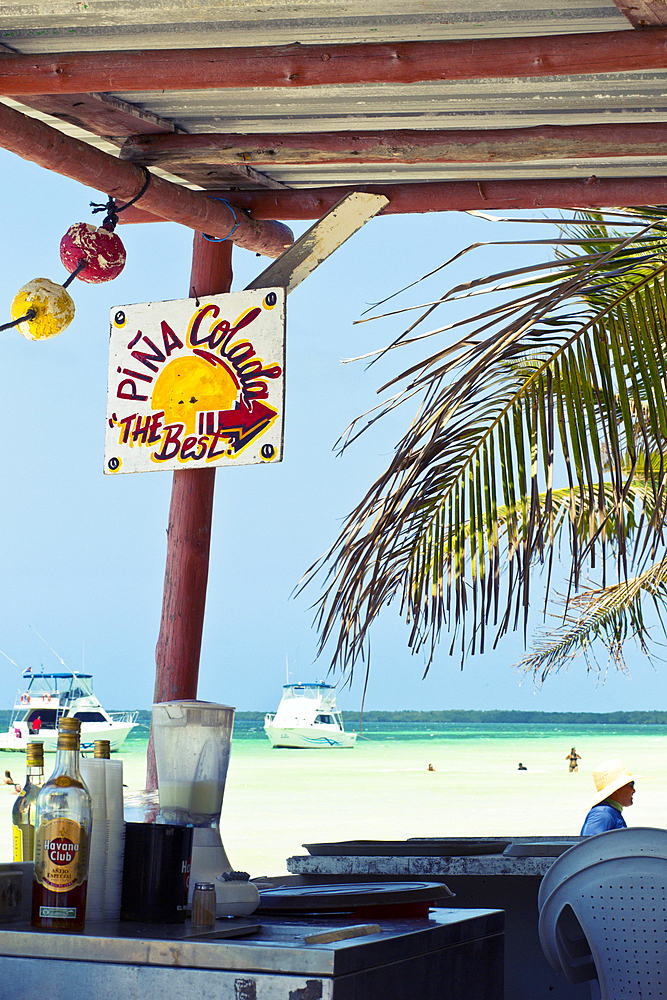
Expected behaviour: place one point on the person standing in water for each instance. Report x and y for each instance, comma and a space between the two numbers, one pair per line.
615, 787
573, 757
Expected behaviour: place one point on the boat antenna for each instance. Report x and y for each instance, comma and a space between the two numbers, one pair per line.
51, 648
10, 659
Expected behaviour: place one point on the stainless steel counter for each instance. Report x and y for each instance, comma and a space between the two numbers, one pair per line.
456, 953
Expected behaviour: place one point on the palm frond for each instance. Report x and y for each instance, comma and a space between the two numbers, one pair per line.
609, 615
560, 379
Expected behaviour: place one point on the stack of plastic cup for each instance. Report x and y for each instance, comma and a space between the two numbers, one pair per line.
115, 840
93, 773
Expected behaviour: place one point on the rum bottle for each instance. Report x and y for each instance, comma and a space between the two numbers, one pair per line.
23, 812
62, 837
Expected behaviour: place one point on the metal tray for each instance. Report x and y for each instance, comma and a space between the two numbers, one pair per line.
343, 896
407, 848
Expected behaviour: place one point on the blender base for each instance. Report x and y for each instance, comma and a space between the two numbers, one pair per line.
209, 861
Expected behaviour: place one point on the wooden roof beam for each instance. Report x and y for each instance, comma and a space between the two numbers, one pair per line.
46, 146
316, 65
99, 113
448, 196
513, 145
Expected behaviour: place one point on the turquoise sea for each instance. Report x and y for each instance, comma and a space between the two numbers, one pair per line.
277, 800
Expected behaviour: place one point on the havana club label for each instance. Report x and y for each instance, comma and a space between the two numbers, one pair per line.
61, 855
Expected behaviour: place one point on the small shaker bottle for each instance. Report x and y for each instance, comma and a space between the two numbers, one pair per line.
203, 906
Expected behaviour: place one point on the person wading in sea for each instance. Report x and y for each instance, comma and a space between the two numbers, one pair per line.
573, 757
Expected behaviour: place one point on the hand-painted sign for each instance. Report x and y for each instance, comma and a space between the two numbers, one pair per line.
195, 383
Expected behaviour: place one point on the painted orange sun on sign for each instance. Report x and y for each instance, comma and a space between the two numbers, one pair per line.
195, 383
192, 385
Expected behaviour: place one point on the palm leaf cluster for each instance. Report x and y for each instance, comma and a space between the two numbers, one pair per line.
612, 614
540, 439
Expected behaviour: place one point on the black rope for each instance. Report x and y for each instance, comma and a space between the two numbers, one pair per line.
31, 312
15, 322
110, 222
111, 208
77, 270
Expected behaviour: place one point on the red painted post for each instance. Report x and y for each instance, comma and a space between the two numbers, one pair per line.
188, 536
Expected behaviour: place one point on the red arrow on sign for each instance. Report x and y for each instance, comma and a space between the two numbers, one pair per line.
240, 426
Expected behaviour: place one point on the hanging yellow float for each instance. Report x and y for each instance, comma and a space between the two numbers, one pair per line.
44, 308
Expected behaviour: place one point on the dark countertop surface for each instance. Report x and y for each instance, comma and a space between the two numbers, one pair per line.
279, 944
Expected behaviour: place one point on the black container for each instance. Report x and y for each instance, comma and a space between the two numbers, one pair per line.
156, 873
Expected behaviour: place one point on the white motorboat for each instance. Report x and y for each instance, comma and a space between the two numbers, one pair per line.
45, 697
307, 718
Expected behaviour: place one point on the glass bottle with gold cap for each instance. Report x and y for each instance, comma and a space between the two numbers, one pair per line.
102, 749
23, 812
63, 824
68, 724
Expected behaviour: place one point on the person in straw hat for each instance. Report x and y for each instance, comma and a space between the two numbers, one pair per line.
615, 787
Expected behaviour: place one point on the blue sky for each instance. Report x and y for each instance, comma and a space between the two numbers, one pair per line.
82, 554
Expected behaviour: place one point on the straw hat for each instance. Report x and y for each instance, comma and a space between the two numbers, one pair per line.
609, 777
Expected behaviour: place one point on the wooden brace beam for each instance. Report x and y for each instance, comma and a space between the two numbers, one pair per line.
46, 146
450, 196
316, 65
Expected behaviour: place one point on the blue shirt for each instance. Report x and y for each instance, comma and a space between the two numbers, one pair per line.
602, 818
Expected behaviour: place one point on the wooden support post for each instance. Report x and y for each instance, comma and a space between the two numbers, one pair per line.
188, 536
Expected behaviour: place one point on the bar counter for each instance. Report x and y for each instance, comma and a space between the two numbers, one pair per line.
454, 953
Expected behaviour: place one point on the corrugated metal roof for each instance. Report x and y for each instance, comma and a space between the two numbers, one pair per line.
102, 25
105, 24
570, 100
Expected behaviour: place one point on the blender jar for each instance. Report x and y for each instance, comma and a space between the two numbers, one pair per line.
192, 745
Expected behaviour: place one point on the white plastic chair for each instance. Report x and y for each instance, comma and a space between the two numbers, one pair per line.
636, 841
609, 922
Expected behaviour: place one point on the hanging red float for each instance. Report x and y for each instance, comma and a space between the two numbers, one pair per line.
101, 250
